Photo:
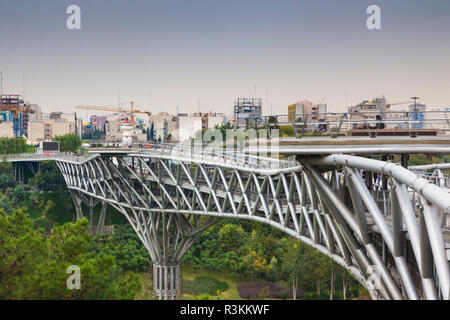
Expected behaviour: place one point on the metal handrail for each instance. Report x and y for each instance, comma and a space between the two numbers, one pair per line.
199, 153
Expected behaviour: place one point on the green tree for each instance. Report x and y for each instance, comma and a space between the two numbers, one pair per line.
231, 237
297, 265
421, 159
33, 265
6, 174
49, 178
13, 145
6, 167
124, 245
69, 142
273, 119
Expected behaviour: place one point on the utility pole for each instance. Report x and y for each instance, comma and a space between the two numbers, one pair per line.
414, 114
23, 87
415, 103
1, 83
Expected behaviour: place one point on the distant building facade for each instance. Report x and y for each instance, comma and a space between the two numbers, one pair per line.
247, 110
98, 122
6, 129
306, 110
47, 129
20, 122
377, 105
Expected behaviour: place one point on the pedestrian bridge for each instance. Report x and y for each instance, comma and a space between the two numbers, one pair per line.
385, 224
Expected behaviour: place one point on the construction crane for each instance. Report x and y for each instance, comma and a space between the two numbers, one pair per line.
130, 111
15, 110
398, 103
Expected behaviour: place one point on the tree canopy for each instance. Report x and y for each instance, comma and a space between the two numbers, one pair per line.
69, 142
34, 265
13, 145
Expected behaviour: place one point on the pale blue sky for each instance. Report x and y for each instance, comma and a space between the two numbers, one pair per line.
186, 51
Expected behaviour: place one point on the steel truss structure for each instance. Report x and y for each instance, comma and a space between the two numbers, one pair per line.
79, 198
434, 172
388, 236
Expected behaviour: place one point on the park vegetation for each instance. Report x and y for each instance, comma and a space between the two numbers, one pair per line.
33, 264
13, 145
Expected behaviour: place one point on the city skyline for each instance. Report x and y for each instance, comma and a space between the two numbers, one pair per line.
202, 55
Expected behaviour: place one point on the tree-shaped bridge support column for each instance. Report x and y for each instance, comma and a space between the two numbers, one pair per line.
167, 237
172, 235
90, 202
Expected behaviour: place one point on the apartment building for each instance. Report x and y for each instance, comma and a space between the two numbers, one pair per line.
47, 129
306, 110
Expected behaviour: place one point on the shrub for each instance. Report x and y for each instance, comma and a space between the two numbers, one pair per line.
204, 285
266, 289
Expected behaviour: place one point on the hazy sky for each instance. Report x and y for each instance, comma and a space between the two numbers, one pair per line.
203, 54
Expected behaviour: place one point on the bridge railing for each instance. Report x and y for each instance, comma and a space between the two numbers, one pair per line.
215, 153
41, 156
434, 173
369, 123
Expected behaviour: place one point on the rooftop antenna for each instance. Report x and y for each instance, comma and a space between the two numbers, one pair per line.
1, 83
23, 87
267, 98
346, 100
415, 103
